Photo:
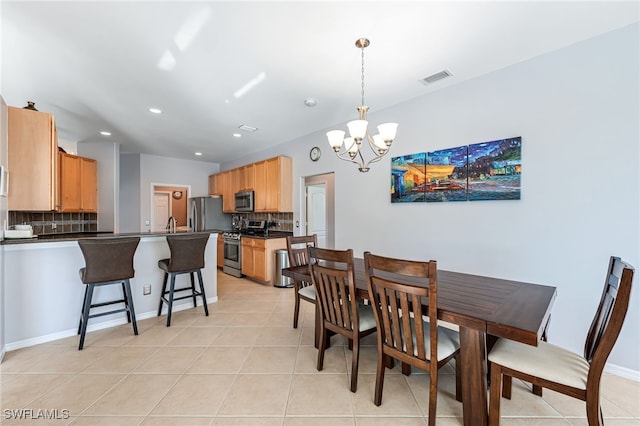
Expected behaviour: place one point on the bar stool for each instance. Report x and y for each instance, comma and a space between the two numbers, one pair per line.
187, 257
107, 261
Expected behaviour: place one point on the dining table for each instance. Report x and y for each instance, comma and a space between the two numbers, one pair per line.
484, 308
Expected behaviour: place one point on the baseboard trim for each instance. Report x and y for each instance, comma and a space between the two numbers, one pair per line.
93, 327
627, 373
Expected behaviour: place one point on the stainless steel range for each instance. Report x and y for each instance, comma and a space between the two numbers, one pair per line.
232, 246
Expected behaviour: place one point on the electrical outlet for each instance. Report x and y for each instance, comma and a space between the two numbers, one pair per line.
147, 223
146, 290
54, 225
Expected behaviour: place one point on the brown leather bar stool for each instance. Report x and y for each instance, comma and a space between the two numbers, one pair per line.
107, 261
187, 257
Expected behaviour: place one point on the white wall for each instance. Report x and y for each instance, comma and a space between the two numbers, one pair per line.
108, 156
171, 171
577, 110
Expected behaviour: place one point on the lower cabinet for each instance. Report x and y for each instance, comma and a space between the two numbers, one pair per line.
258, 260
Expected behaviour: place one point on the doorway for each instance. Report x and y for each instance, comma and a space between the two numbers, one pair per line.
169, 201
319, 208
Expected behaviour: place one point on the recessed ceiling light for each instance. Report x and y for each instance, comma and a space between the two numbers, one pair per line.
198, 153
103, 133
310, 102
237, 135
155, 110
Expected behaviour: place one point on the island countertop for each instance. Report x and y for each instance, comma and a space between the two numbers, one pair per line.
74, 236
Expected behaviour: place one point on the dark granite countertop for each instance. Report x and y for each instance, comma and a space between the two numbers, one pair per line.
271, 235
82, 235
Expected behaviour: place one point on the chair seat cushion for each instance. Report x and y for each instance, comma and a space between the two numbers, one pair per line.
546, 361
163, 264
366, 317
309, 292
448, 341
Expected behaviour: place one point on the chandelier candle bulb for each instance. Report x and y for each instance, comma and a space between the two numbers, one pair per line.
379, 144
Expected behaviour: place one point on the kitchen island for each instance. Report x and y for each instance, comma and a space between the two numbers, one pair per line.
43, 292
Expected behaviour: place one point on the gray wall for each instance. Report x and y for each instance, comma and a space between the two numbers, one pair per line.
577, 110
4, 144
129, 217
142, 171
108, 156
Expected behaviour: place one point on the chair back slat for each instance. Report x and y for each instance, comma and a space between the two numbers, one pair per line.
397, 288
297, 248
109, 259
333, 277
607, 322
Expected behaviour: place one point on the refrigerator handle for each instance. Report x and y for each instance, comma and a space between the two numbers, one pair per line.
192, 217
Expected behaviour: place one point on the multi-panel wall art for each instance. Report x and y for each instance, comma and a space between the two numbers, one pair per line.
482, 171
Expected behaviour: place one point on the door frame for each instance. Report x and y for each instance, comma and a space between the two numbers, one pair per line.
152, 191
328, 179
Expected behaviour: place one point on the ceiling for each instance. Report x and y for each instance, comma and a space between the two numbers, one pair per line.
214, 66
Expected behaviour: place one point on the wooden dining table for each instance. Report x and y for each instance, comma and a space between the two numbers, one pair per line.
481, 306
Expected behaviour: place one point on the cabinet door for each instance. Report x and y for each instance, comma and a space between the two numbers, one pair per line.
32, 160
249, 177
260, 187
235, 181
213, 185
260, 260
88, 185
273, 184
69, 183
247, 257
228, 204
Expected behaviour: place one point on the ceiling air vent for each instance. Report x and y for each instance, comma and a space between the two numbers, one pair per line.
436, 77
247, 128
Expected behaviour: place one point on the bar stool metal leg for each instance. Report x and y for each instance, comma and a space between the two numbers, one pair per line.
85, 314
204, 297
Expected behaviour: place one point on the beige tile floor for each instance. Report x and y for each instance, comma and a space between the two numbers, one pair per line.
246, 365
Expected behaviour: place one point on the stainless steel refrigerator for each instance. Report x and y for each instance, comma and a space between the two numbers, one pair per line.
205, 214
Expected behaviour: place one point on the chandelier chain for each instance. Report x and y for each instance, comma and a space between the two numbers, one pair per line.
362, 74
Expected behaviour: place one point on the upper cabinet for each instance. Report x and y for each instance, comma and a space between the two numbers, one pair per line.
271, 180
33, 161
78, 184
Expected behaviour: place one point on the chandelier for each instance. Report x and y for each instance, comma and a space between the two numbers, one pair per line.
350, 148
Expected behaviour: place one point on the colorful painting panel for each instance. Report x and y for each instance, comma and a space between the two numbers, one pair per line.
408, 178
494, 170
446, 175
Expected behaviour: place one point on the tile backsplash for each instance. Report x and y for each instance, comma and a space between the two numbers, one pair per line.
284, 221
46, 223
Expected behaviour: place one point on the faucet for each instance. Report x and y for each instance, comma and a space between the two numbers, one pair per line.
172, 223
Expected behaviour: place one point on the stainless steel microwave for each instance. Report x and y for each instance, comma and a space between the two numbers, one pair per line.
244, 201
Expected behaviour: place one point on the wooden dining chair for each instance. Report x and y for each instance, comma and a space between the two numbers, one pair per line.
298, 256
332, 275
558, 369
398, 289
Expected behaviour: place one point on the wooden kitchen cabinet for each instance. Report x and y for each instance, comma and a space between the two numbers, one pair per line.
32, 160
78, 184
215, 187
88, 185
271, 180
258, 261
274, 182
249, 177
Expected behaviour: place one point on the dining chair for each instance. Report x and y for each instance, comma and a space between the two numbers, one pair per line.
332, 274
398, 289
559, 369
298, 256
107, 261
187, 257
